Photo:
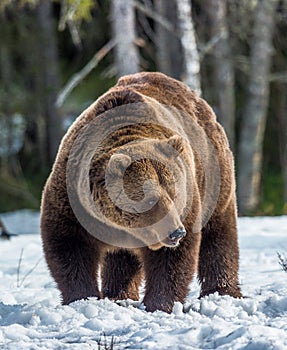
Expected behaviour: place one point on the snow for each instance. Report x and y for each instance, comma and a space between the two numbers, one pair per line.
31, 316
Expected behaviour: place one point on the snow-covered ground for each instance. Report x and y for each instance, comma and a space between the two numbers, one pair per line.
31, 316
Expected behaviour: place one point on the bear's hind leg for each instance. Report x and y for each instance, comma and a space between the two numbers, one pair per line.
219, 256
121, 275
72, 259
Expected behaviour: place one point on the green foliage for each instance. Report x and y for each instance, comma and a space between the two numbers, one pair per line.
19, 193
80, 9
272, 194
75, 11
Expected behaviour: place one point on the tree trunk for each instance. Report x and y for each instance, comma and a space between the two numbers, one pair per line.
282, 125
189, 47
284, 165
168, 47
254, 117
123, 25
222, 66
50, 71
5, 74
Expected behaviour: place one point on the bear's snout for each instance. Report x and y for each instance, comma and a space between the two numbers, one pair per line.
173, 238
178, 233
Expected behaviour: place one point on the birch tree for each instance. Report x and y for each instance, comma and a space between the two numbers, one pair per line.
254, 115
168, 49
189, 47
222, 66
124, 33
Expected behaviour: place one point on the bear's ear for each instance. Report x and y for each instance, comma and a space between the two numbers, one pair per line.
173, 146
176, 142
118, 163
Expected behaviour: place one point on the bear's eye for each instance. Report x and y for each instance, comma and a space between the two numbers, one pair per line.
152, 201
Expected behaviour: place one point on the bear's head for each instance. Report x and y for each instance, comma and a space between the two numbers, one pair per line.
143, 190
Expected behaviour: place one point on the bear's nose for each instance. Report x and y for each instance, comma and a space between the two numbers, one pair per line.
178, 233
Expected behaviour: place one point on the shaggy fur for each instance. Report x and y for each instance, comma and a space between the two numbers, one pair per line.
73, 255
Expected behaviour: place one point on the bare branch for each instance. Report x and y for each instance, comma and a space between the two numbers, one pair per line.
74, 30
63, 16
30, 271
78, 77
19, 267
20, 283
279, 76
146, 27
155, 16
67, 18
209, 46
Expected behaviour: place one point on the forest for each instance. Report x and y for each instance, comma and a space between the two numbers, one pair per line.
57, 57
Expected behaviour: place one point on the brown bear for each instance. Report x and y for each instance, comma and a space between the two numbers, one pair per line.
156, 200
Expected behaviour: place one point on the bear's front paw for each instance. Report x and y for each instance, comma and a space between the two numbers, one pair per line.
68, 298
232, 291
158, 303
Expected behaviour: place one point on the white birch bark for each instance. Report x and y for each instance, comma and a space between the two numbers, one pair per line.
189, 46
124, 33
254, 117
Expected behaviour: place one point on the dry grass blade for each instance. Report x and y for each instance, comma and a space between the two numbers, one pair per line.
104, 345
282, 261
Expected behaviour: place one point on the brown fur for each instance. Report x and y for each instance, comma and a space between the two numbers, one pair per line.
73, 255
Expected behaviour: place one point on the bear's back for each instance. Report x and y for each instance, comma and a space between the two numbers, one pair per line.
168, 91
171, 92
